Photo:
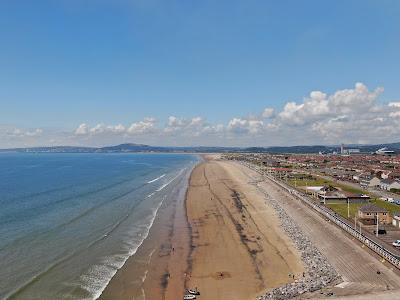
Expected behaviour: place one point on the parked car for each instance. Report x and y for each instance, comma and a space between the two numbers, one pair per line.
380, 231
390, 200
396, 243
397, 201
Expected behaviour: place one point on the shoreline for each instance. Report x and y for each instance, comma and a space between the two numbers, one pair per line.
146, 273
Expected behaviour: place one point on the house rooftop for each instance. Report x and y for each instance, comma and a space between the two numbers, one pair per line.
354, 195
370, 207
387, 181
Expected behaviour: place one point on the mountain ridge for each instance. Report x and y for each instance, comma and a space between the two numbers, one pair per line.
133, 147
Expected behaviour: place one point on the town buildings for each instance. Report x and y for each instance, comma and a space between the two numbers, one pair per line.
370, 214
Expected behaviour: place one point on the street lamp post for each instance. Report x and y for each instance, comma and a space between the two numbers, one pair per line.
348, 208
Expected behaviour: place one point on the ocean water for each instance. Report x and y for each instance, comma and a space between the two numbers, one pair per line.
68, 222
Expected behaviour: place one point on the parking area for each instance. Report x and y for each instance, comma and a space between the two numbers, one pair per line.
392, 234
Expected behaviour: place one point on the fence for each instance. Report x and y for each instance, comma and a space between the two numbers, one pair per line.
379, 249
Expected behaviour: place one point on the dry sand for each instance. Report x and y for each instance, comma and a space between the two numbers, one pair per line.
238, 247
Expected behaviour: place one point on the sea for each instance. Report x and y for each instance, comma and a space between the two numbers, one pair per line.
68, 222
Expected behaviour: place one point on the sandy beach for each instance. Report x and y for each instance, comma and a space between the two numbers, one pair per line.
222, 236
238, 248
222, 239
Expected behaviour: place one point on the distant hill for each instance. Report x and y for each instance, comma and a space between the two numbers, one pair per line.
128, 148
124, 148
292, 149
132, 148
55, 149
147, 148
370, 148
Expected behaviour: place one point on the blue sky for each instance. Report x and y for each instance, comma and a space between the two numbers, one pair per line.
68, 63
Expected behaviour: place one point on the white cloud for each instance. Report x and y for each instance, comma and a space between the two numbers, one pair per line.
347, 115
175, 124
140, 127
213, 129
197, 121
321, 106
395, 109
11, 136
101, 129
36, 132
82, 129
194, 127
394, 104
148, 125
242, 126
268, 113
119, 128
20, 133
395, 114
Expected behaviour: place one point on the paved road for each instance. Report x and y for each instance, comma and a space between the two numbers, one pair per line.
388, 295
384, 240
357, 266
376, 192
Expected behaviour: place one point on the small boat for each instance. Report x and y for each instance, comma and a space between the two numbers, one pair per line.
193, 292
189, 297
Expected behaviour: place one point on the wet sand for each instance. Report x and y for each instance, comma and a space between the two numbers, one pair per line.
223, 239
152, 268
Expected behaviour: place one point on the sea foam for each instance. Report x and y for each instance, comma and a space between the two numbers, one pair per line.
155, 179
99, 275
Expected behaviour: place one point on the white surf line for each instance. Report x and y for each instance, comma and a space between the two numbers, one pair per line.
155, 179
145, 273
166, 184
96, 294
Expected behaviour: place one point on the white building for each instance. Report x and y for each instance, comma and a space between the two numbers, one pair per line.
388, 184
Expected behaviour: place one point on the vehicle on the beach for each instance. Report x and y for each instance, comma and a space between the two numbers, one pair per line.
193, 292
396, 243
189, 296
